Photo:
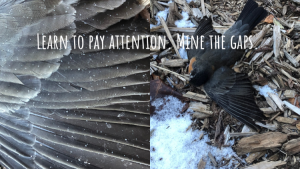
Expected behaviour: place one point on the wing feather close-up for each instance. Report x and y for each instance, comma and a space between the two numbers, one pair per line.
71, 107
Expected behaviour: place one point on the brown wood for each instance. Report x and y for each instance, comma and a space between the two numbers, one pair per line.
255, 156
292, 146
171, 17
260, 142
169, 36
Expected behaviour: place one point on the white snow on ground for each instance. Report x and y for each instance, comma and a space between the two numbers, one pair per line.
183, 53
184, 22
188, 1
264, 90
162, 14
175, 148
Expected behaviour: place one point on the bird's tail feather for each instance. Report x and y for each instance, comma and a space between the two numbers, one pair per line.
252, 14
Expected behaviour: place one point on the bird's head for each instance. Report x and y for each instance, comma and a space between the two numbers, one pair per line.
200, 74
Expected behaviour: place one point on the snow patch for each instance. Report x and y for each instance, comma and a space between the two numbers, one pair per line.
183, 53
184, 22
163, 14
264, 90
174, 147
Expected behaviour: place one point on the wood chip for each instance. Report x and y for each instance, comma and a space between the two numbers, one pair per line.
158, 6
186, 7
267, 110
266, 165
174, 62
195, 96
276, 100
254, 156
243, 134
276, 40
171, 17
268, 42
200, 115
227, 134
292, 146
201, 164
257, 38
212, 159
181, 77
200, 107
290, 58
260, 142
285, 120
289, 94
274, 157
271, 103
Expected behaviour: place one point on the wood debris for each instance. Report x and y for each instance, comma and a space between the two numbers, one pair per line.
254, 156
201, 164
260, 142
266, 165
285, 120
292, 146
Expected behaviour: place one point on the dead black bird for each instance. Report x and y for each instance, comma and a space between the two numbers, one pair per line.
210, 66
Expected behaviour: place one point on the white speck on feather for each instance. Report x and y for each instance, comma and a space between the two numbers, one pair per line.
173, 147
264, 90
184, 22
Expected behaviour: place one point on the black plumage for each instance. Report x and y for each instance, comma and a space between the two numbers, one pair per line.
209, 66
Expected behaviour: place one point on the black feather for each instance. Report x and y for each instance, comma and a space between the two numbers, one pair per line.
229, 89
252, 14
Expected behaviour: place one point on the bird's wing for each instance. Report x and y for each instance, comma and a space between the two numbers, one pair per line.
72, 108
204, 29
234, 93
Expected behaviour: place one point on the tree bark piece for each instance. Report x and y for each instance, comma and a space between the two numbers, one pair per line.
292, 146
260, 142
